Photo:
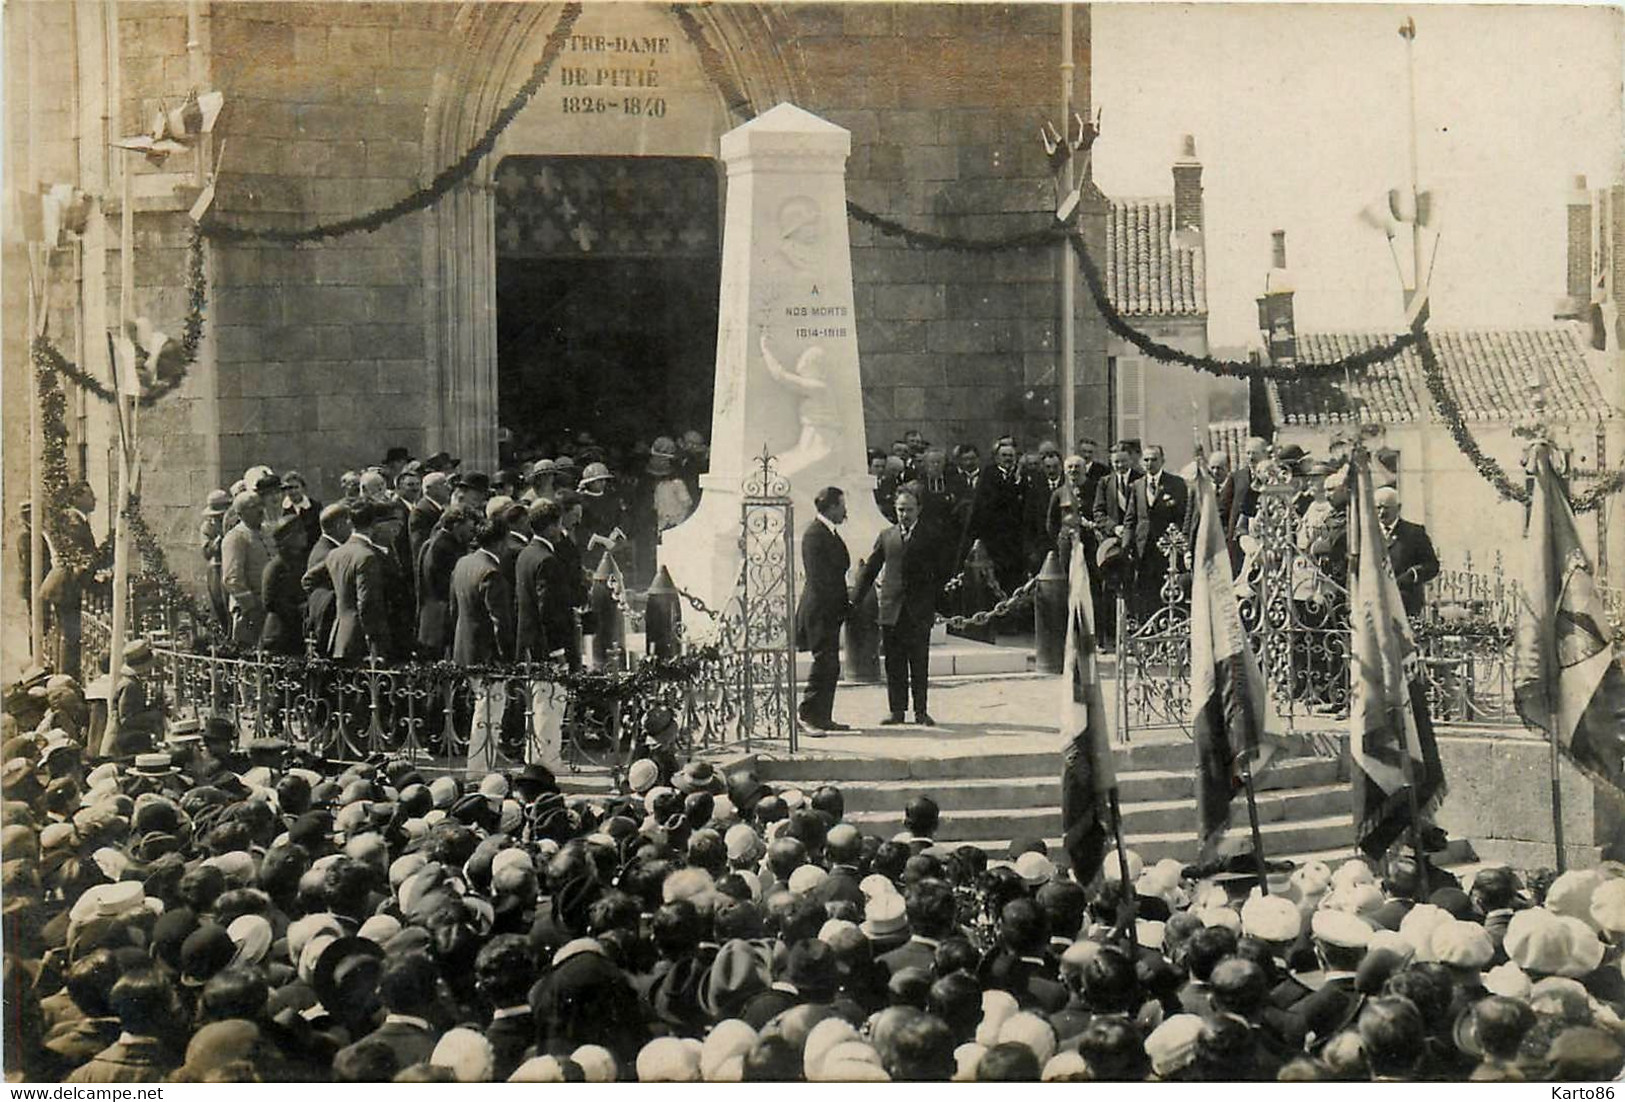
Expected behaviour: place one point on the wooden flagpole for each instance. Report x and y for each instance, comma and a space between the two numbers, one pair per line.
127, 429
1129, 897
1542, 454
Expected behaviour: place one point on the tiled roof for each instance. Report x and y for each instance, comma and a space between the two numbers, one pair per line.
1147, 275
1493, 374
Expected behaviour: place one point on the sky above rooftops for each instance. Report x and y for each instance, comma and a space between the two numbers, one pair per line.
1299, 113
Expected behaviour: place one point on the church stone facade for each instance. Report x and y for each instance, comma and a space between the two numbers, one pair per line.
322, 355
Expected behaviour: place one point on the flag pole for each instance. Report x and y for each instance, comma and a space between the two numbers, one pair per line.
1542, 455
1129, 896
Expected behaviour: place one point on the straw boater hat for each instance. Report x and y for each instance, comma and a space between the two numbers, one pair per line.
662, 454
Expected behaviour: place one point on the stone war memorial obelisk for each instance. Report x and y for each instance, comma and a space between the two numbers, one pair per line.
787, 347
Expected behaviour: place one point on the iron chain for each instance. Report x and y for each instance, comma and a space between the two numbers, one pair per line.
1020, 600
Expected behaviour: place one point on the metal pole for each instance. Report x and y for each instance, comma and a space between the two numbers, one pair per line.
1129, 895
1069, 264
126, 454
1252, 820
1408, 32
36, 482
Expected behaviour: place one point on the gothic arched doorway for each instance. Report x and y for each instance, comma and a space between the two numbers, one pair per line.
616, 55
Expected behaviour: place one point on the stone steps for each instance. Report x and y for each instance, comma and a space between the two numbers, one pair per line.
809, 767
1135, 787
1151, 819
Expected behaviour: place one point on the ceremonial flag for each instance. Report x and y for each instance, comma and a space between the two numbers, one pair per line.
1568, 682
1388, 719
1228, 701
1087, 775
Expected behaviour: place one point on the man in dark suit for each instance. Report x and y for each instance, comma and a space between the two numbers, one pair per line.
284, 629
427, 509
823, 609
912, 554
437, 558
1113, 496
1159, 502
1239, 496
317, 582
545, 622
360, 599
939, 503
996, 516
1036, 538
482, 633
962, 482
1410, 551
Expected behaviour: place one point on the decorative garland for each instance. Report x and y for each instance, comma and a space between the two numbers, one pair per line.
48, 359
446, 179
940, 242
715, 71
1347, 365
155, 569
58, 483
1455, 422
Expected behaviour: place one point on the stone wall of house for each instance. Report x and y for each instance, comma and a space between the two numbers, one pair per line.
318, 357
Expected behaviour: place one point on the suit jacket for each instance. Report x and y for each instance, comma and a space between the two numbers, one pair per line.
361, 612
140, 1060
963, 487
1110, 509
911, 954
997, 511
318, 586
1035, 516
411, 1043
1415, 563
310, 517
420, 521
914, 575
939, 502
510, 1037
437, 558
242, 568
1151, 518
543, 596
824, 603
282, 595
482, 608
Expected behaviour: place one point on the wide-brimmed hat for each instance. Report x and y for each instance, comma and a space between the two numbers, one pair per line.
217, 503
343, 968
1109, 553
138, 654
153, 765
595, 472
699, 776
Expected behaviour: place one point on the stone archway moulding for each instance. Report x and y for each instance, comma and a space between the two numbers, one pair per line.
502, 45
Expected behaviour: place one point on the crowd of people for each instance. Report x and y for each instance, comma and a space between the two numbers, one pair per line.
221, 910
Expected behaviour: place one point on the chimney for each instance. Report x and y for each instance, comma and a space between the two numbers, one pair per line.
1275, 306
1579, 239
1188, 188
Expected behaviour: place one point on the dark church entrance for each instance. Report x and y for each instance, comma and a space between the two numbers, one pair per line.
607, 286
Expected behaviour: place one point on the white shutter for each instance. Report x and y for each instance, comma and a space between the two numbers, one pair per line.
1130, 398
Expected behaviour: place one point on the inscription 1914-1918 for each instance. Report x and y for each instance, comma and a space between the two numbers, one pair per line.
632, 65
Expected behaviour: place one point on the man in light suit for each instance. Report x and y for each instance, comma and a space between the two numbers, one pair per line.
823, 609
545, 623
915, 557
482, 609
243, 558
360, 609
1159, 502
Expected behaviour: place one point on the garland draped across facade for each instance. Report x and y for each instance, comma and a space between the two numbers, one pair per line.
446, 179
1455, 422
